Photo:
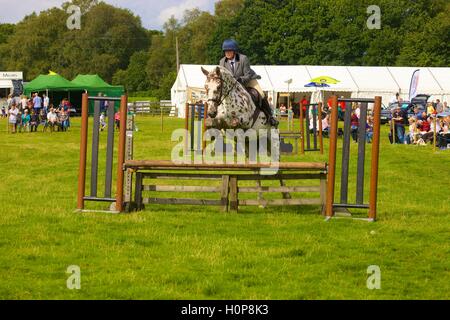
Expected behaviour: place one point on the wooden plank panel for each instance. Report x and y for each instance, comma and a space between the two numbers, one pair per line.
169, 165
182, 201
279, 189
280, 202
159, 188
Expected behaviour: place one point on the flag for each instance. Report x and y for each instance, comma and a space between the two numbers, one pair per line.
414, 84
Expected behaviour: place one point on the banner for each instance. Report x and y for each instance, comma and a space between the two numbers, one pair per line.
414, 84
17, 88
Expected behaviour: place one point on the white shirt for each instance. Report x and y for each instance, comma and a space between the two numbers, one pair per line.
51, 116
24, 102
13, 115
46, 101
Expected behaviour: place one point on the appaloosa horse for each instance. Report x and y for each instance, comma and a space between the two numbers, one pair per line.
230, 106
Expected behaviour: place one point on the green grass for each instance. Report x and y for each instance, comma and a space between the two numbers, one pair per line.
200, 253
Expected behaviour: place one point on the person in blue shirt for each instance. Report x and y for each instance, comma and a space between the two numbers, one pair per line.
37, 103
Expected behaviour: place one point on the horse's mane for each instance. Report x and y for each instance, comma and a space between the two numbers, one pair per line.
230, 78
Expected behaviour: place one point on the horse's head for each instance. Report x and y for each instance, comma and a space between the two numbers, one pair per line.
214, 90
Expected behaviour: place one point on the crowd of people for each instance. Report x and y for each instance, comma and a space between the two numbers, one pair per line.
26, 114
423, 125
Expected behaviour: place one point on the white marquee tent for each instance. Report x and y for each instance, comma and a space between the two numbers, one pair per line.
356, 82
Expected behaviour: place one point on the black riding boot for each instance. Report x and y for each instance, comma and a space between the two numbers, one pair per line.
265, 107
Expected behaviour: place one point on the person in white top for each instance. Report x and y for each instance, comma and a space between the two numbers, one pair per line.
438, 125
13, 113
24, 102
46, 103
358, 110
52, 119
395, 99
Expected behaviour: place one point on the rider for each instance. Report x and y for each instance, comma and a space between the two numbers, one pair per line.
239, 65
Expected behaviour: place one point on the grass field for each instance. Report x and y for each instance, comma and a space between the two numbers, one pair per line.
201, 253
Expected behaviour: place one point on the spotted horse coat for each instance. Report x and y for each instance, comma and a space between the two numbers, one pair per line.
230, 106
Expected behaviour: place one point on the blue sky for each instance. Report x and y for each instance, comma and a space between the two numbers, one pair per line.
152, 12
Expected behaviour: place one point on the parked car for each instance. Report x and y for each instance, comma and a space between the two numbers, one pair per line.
420, 101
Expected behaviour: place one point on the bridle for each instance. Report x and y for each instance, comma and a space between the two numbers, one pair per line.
218, 101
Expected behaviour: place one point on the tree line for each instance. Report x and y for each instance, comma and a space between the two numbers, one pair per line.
113, 43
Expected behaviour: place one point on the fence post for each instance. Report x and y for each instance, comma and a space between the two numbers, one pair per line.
375, 160
121, 153
319, 111
83, 151
332, 157
302, 131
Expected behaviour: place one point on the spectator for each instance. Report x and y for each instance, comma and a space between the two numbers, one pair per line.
369, 129
430, 109
9, 101
37, 103
358, 110
413, 135
43, 119
445, 107
24, 102
26, 121
3, 115
34, 121
354, 126
12, 120
117, 120
46, 103
427, 133
102, 121
417, 113
395, 99
283, 109
62, 120
399, 126
270, 103
303, 103
52, 119
325, 125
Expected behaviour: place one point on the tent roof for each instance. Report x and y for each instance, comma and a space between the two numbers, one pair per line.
94, 83
352, 79
51, 81
90, 81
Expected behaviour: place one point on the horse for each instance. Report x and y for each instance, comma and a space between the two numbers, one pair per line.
230, 106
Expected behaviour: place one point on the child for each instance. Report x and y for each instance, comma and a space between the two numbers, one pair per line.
117, 120
102, 122
62, 120
26, 121
369, 129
